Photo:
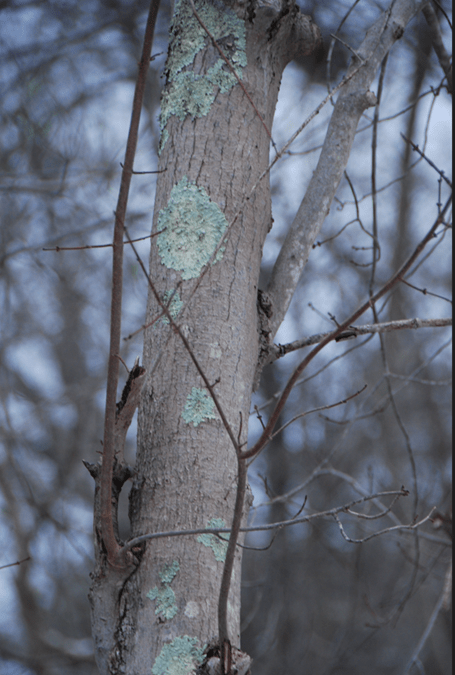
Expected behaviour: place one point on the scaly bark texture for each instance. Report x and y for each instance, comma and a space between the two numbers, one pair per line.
214, 146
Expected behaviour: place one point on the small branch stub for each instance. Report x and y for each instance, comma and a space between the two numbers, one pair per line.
212, 665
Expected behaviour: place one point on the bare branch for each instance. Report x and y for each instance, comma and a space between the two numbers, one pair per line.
18, 562
223, 632
353, 100
324, 407
424, 291
287, 523
426, 633
82, 248
438, 45
107, 527
345, 44
143, 173
352, 332
412, 526
422, 154
266, 435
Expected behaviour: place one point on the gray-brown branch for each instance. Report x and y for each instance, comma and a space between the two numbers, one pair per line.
353, 100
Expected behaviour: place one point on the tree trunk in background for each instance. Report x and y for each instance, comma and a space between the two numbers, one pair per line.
213, 149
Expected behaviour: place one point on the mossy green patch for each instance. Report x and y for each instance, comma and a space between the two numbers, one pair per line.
186, 92
192, 228
175, 306
199, 407
218, 546
169, 571
179, 657
165, 601
165, 596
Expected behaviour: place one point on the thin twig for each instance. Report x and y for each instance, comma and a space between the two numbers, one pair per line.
416, 148
441, 8
266, 435
374, 146
18, 562
107, 526
345, 44
424, 291
412, 526
376, 516
223, 632
358, 488
284, 523
324, 407
426, 632
438, 44
144, 173
332, 44
82, 248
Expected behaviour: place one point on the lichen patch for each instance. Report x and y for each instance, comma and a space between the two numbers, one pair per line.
192, 228
189, 93
175, 305
178, 657
166, 604
218, 546
199, 407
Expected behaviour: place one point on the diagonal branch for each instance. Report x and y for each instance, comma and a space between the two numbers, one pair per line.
353, 100
323, 407
416, 148
176, 329
268, 431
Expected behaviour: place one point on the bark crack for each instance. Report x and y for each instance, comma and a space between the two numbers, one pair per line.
265, 313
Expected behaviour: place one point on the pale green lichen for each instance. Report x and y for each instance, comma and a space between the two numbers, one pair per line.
169, 572
163, 138
165, 596
188, 37
215, 351
175, 306
218, 546
198, 407
165, 601
179, 657
192, 228
188, 93
191, 609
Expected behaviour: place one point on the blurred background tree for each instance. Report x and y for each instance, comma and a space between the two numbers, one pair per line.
312, 601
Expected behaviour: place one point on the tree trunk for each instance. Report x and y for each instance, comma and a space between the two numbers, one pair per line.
214, 147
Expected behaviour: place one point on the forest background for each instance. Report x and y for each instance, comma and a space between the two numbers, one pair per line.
67, 81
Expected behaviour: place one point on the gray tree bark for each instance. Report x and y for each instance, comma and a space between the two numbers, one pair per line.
212, 214
214, 147
186, 465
